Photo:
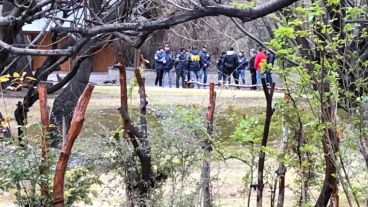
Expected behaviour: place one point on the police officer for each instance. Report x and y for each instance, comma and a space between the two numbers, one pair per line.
159, 65
181, 65
195, 66
169, 62
205, 62
220, 67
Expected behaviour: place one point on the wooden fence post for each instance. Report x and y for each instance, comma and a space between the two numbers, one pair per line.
124, 107
75, 129
44, 110
206, 167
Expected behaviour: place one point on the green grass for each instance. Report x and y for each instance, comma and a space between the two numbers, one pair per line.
102, 116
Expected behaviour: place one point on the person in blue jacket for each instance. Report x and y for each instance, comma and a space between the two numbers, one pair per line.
271, 57
159, 65
220, 67
195, 66
242, 65
181, 65
169, 61
205, 63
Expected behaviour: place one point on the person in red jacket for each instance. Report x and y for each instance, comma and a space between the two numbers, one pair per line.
260, 62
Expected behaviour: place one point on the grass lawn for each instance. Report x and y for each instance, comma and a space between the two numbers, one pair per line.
102, 114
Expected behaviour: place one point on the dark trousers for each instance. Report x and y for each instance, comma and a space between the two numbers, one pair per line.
236, 77
253, 76
160, 76
228, 72
205, 74
180, 73
268, 77
221, 75
157, 77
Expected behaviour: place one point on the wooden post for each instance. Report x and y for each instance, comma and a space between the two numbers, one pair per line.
75, 128
124, 107
123, 90
144, 156
143, 103
206, 167
44, 110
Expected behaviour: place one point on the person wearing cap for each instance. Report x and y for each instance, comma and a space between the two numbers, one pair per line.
241, 68
159, 64
252, 69
220, 67
181, 64
168, 66
205, 62
195, 66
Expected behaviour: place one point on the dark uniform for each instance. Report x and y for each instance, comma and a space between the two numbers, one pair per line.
181, 68
205, 62
230, 64
159, 66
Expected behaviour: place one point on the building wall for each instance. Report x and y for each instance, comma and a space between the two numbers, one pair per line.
102, 59
45, 43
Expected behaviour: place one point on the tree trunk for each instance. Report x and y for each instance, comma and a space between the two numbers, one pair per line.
124, 106
206, 167
64, 104
139, 183
363, 139
262, 155
330, 142
281, 171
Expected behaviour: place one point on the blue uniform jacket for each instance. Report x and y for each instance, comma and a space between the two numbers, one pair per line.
205, 59
181, 61
169, 60
159, 61
242, 62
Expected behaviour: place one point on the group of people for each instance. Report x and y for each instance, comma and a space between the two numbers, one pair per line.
193, 65
189, 65
259, 64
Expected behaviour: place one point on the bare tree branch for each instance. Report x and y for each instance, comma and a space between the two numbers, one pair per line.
178, 18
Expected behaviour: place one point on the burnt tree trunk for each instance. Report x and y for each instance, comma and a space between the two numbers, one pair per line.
206, 166
262, 155
64, 104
